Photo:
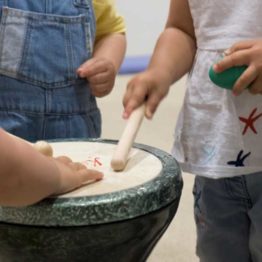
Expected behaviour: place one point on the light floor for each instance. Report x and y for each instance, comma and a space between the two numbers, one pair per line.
178, 242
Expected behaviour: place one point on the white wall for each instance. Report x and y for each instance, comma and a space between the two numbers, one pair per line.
145, 19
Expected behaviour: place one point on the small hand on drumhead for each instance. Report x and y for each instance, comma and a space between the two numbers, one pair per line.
74, 174
147, 88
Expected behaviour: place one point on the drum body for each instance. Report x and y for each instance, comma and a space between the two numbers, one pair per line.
120, 218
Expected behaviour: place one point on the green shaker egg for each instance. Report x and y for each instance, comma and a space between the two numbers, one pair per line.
227, 78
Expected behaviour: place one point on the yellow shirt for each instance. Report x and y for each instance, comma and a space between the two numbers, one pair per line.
107, 19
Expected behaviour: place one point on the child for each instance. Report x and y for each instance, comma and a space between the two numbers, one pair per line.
219, 132
27, 176
50, 73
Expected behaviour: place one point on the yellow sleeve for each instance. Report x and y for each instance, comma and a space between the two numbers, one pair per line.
107, 19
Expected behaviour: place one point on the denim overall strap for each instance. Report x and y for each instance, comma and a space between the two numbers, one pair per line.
51, 40
42, 43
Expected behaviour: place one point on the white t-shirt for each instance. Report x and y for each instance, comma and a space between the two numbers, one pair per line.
219, 134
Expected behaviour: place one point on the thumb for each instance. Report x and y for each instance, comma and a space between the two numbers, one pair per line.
83, 70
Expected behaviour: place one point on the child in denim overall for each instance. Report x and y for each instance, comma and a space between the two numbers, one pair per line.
219, 133
52, 66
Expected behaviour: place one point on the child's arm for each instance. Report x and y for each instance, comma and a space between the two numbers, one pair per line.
27, 176
244, 53
172, 58
101, 70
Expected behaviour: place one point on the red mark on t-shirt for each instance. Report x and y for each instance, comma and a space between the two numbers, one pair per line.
250, 121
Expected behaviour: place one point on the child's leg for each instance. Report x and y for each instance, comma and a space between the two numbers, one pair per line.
254, 186
222, 221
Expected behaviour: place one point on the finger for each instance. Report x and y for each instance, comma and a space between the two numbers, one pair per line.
133, 98
64, 159
239, 46
152, 104
127, 102
131, 106
128, 94
256, 87
101, 89
236, 59
90, 174
91, 68
83, 69
245, 80
100, 78
78, 166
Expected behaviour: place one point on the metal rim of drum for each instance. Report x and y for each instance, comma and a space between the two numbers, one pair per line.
101, 209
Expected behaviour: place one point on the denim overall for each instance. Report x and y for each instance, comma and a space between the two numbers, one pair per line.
42, 43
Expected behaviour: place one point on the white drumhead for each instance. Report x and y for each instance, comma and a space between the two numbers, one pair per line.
141, 166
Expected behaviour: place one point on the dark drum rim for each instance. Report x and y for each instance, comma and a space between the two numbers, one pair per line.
106, 208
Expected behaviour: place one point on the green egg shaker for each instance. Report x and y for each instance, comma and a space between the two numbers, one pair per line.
227, 78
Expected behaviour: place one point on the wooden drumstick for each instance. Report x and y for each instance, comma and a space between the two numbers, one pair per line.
41, 146
125, 143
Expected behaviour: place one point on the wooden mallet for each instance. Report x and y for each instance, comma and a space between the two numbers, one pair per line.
41, 146
125, 143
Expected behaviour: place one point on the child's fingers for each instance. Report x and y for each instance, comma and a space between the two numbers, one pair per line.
91, 68
132, 104
100, 78
152, 104
77, 166
239, 46
64, 159
100, 90
239, 58
134, 97
85, 69
256, 86
245, 80
128, 94
95, 66
89, 174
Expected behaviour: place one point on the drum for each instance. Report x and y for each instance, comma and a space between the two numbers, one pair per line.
119, 218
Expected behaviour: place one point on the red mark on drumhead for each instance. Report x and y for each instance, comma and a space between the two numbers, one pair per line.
97, 162
92, 162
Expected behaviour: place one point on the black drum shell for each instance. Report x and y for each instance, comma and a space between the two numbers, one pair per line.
119, 238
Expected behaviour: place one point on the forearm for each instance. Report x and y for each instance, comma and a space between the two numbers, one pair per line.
111, 47
26, 176
173, 55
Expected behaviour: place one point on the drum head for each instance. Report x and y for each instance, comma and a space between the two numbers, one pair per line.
150, 181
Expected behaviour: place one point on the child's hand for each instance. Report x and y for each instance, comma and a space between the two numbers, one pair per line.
100, 74
144, 87
244, 53
73, 174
